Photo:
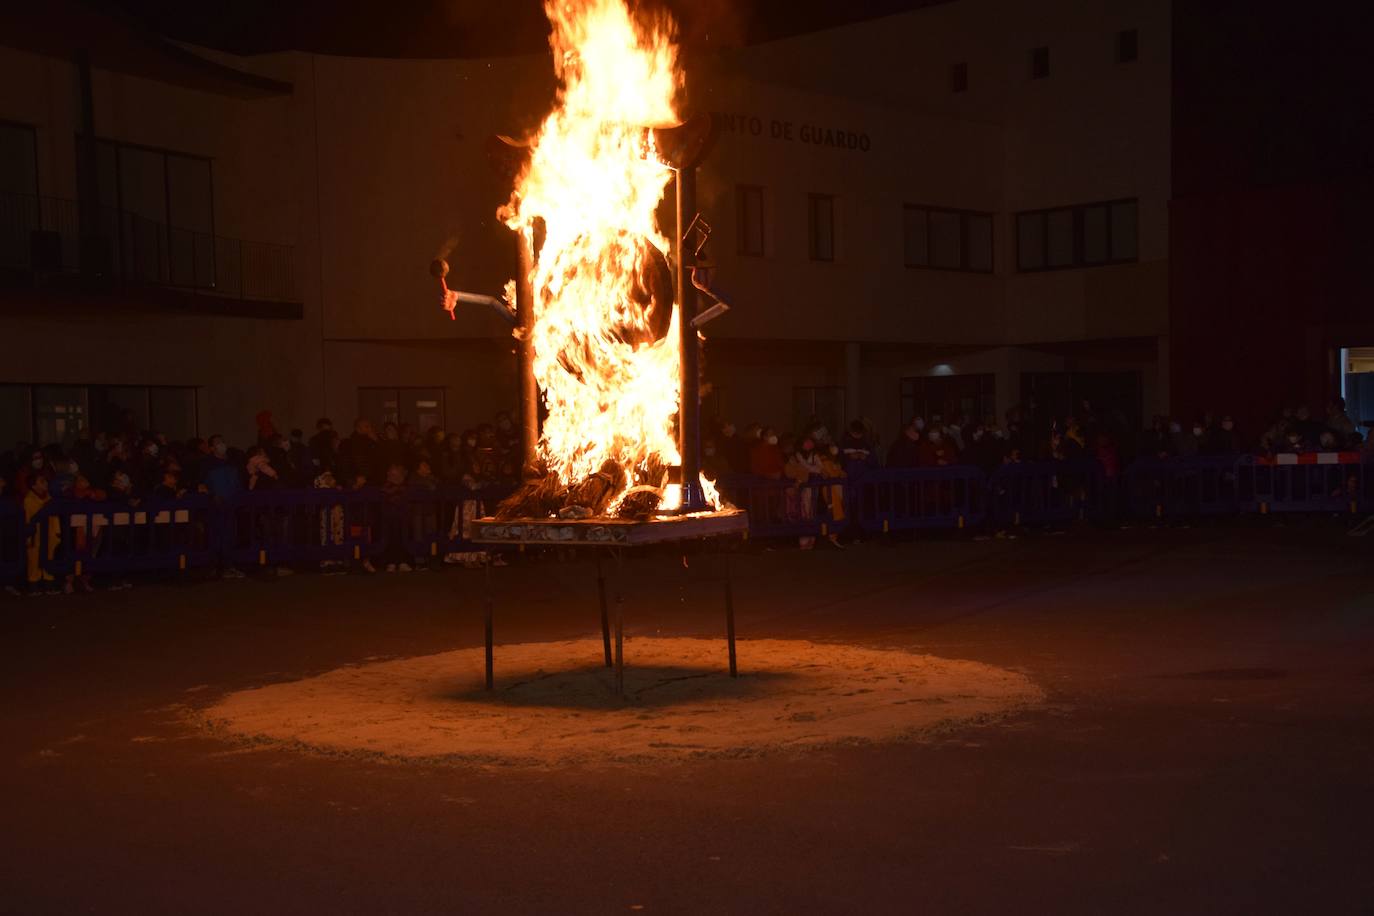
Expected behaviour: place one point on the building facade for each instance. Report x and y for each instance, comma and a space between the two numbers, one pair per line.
952, 210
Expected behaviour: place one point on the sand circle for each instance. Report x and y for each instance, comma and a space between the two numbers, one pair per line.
555, 702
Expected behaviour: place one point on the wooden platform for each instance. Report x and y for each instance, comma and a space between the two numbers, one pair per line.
609, 532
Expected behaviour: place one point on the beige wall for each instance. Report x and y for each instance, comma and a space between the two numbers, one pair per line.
372, 167
241, 365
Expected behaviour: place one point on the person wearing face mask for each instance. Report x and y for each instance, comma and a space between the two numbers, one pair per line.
765, 458
391, 450
42, 540
452, 456
36, 466
803, 468
732, 449
856, 450
1188, 442
395, 514
905, 451
221, 479
360, 452
984, 451
322, 442
937, 451
1221, 439
713, 463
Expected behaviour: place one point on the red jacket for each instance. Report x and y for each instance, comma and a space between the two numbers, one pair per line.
765, 460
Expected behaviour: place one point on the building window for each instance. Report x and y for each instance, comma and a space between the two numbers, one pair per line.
1083, 236
947, 239
1039, 63
823, 404
420, 408
820, 221
1127, 46
749, 206
20, 215
952, 397
158, 211
48, 414
958, 77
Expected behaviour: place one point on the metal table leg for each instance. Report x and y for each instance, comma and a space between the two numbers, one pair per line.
730, 613
620, 623
490, 601
605, 621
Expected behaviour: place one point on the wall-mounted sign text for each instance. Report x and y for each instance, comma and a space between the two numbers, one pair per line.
805, 132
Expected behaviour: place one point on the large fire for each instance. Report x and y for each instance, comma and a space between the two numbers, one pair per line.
608, 370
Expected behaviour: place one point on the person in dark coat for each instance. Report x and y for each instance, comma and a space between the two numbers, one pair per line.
906, 448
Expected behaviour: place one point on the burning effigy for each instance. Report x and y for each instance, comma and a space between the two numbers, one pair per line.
604, 327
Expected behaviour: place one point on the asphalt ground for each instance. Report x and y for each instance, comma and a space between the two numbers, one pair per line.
1206, 746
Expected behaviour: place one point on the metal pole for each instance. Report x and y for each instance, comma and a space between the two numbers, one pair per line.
730, 613
524, 326
490, 601
605, 622
689, 411
620, 623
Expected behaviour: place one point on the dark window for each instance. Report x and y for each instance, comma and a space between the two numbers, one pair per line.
820, 223
958, 77
916, 232
1081, 236
59, 413
1127, 46
159, 213
947, 239
950, 396
19, 205
16, 415
821, 403
420, 408
1039, 63
749, 206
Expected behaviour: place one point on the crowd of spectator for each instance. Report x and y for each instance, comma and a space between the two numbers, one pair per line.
131, 465
1028, 434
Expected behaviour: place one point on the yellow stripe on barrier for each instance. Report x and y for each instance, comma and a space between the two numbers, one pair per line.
433, 549
78, 567
961, 521
181, 561
262, 557
357, 552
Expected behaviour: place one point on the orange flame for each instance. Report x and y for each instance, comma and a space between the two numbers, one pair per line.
608, 372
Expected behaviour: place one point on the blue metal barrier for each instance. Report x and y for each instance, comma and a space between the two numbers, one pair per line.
12, 531
270, 527
901, 499
1046, 492
782, 507
1267, 487
99, 536
1182, 487
434, 522
309, 527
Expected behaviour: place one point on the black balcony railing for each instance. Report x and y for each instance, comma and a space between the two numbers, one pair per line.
45, 237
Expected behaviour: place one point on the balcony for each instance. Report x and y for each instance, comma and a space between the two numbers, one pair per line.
45, 251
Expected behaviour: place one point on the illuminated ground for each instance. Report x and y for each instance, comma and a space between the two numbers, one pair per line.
1204, 746
556, 702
